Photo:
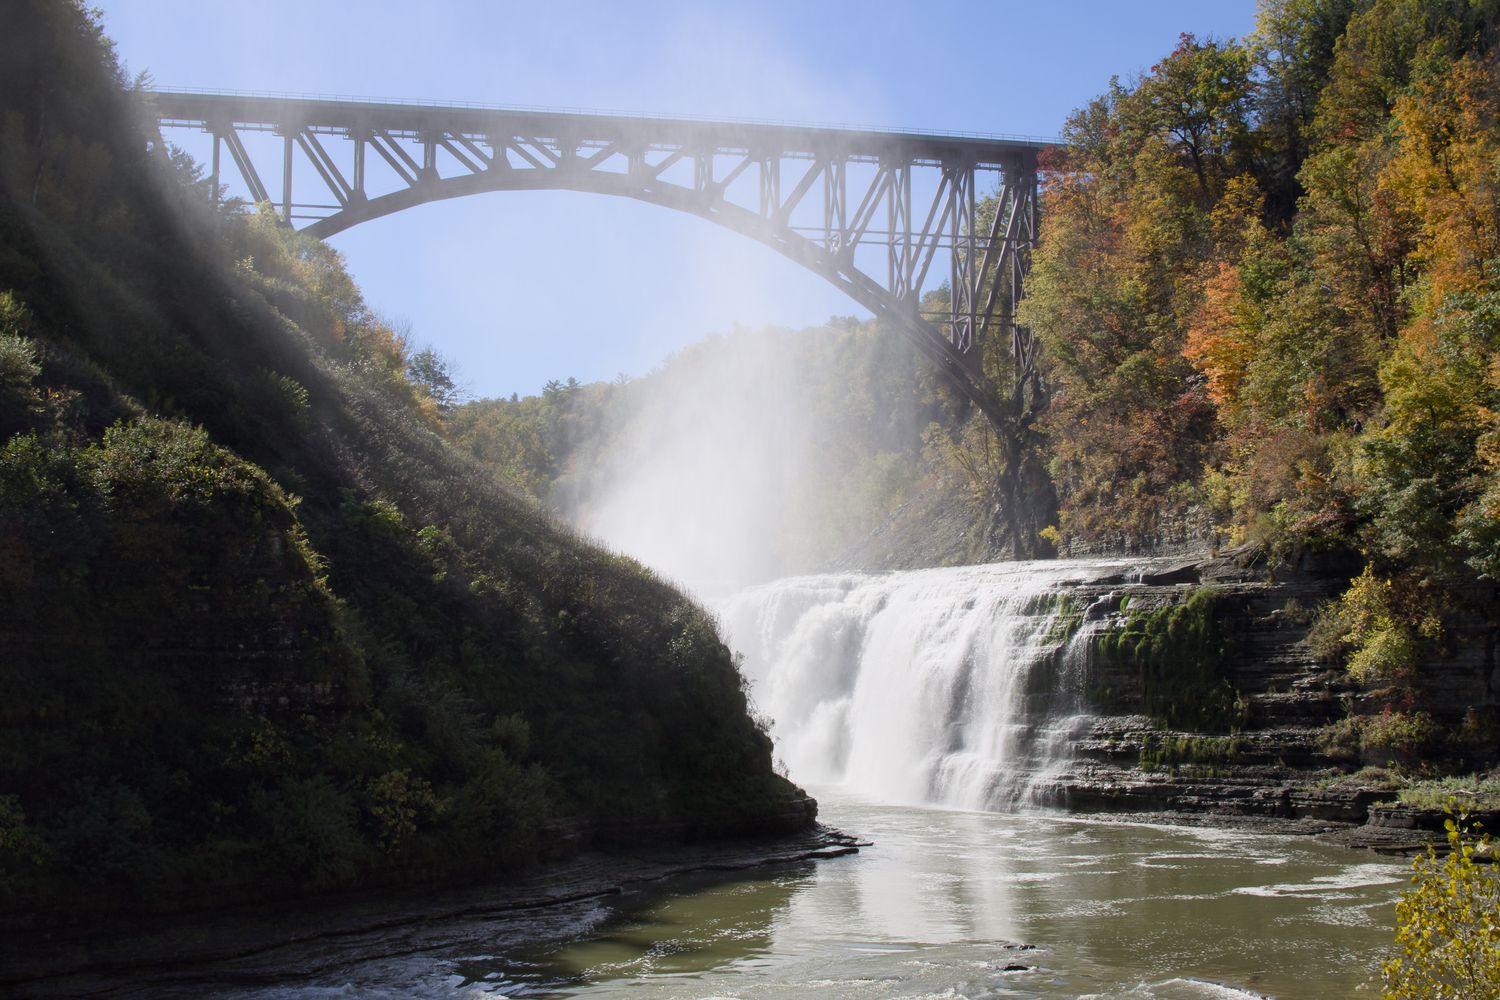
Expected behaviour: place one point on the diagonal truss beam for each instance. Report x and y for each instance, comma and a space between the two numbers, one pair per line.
844, 185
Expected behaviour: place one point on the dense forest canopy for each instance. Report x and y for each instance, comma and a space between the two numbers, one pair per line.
1267, 288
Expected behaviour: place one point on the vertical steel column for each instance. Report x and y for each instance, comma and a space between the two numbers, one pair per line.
703, 169
900, 254
1026, 201
286, 176
770, 185
962, 266
213, 177
360, 137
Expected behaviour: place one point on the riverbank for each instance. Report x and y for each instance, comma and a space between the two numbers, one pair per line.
150, 955
1391, 830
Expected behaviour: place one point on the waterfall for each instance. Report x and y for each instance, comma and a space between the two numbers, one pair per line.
960, 687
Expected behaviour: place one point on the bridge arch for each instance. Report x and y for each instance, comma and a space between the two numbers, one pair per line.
819, 196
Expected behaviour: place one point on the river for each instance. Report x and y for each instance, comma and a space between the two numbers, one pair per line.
944, 904
951, 904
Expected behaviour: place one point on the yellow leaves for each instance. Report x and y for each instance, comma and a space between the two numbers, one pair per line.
1235, 219
1433, 386
1445, 169
1380, 625
377, 340
1447, 942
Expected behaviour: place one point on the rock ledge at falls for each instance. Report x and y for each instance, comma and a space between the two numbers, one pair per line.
1168, 689
1277, 770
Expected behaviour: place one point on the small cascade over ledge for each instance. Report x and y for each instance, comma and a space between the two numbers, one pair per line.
961, 687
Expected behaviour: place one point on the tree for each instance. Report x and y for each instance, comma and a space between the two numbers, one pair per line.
433, 374
1129, 228
1197, 101
1424, 467
1448, 926
1294, 43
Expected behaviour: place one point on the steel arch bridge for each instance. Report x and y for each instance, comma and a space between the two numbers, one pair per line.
835, 200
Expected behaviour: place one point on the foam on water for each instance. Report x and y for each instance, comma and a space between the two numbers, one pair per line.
1327, 886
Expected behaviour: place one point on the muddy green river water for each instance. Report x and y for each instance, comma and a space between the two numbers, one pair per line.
944, 904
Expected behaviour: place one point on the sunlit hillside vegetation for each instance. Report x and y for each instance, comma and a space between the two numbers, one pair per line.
263, 630
1267, 287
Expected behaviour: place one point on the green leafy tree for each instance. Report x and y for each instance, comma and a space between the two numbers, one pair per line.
433, 374
1197, 103
19, 399
1294, 43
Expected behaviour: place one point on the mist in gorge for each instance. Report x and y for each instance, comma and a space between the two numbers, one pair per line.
711, 478
750, 455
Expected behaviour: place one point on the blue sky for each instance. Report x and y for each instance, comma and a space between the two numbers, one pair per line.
518, 288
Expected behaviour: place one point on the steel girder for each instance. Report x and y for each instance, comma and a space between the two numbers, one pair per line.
830, 199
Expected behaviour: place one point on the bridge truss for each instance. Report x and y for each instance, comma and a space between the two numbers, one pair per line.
872, 212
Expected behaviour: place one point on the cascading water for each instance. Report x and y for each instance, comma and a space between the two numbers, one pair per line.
959, 687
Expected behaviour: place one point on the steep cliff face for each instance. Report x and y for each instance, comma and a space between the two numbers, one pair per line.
1275, 731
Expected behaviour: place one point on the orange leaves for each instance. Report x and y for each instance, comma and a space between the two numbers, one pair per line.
1215, 344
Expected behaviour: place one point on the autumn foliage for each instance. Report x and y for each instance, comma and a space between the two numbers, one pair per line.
1267, 290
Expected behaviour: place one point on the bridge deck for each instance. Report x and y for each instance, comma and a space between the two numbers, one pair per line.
259, 112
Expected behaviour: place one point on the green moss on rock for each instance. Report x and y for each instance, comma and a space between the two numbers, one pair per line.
1181, 655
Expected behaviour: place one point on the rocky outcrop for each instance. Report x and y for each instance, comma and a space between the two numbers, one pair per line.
1273, 766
